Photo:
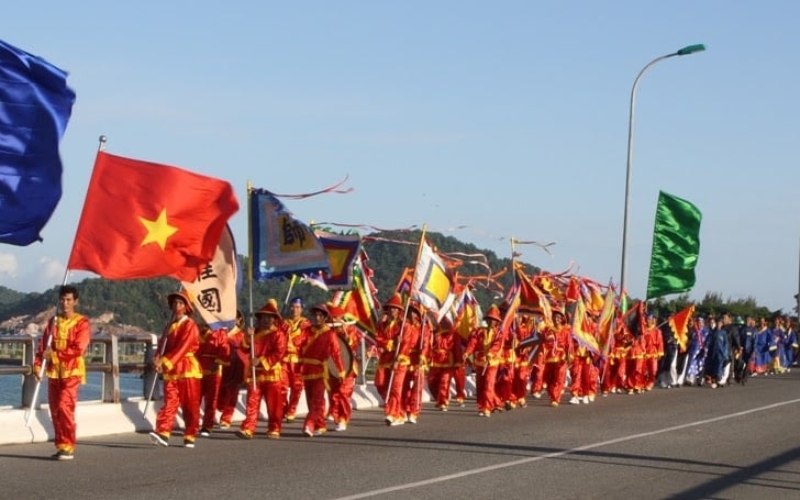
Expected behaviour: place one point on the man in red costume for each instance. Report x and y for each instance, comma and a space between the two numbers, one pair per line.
233, 369
386, 338
177, 363
486, 345
525, 331
61, 352
341, 391
213, 351
614, 370
447, 354
269, 349
294, 324
557, 350
319, 344
653, 351
398, 400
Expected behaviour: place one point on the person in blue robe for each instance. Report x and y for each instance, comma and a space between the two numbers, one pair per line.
761, 356
718, 354
696, 355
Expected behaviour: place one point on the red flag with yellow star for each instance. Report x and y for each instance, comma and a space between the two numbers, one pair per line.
144, 220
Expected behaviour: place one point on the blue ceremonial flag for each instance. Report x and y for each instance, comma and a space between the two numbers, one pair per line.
35, 106
280, 245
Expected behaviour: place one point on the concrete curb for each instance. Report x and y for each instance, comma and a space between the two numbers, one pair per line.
101, 419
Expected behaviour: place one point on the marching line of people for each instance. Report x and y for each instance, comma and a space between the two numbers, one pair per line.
279, 359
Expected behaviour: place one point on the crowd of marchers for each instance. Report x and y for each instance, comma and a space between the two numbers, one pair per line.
512, 354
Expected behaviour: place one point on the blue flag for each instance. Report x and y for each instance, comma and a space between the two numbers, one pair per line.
35, 106
280, 245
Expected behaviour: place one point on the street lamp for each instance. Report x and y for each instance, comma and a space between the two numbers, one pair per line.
690, 49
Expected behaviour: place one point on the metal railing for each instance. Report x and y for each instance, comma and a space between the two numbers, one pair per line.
108, 354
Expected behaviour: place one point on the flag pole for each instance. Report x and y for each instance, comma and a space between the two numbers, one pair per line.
250, 284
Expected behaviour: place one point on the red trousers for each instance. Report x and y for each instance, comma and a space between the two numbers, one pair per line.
555, 376
439, 384
460, 378
210, 391
614, 376
62, 396
651, 371
382, 376
504, 382
485, 382
226, 402
294, 387
184, 394
413, 386
341, 393
395, 401
636, 374
519, 384
315, 400
584, 377
272, 392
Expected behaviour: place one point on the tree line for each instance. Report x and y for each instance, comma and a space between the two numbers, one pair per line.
142, 302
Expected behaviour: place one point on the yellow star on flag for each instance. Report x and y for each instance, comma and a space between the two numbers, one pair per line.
158, 230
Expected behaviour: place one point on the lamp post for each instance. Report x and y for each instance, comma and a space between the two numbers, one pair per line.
691, 49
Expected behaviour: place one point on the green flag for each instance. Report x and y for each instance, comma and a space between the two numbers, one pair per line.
676, 246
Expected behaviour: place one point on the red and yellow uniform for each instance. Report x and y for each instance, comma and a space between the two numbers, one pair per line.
341, 392
66, 340
319, 344
557, 349
584, 374
614, 378
386, 339
635, 369
269, 349
653, 352
291, 363
398, 398
182, 376
214, 350
522, 363
447, 354
233, 369
486, 346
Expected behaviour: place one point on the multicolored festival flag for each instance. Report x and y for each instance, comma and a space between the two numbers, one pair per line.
145, 220
581, 329
432, 281
342, 250
679, 324
605, 323
35, 106
214, 290
280, 245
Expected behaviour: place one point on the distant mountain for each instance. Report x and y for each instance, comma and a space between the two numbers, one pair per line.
142, 303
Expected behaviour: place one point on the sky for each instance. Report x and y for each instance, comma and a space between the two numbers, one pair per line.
509, 118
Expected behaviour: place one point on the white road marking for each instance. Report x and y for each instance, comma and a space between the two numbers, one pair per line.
523, 461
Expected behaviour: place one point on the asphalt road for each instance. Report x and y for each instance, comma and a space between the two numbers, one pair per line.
734, 442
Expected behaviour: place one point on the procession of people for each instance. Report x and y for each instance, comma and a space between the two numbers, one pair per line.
511, 360
512, 354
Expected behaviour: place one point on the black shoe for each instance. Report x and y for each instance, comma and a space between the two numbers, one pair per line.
63, 455
205, 432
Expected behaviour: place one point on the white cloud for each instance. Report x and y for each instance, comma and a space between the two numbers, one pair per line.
51, 269
8, 265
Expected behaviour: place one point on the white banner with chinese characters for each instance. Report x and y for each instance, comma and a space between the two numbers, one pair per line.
213, 293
